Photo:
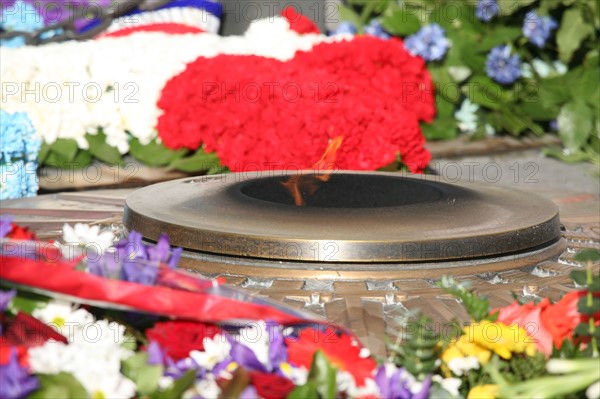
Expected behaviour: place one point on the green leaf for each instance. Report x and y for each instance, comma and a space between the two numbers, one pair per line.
178, 388
200, 161
573, 30
348, 14
399, 22
588, 255
484, 91
65, 148
575, 124
324, 375
145, 376
583, 307
508, 7
59, 386
580, 277
100, 149
587, 86
442, 128
82, 159
553, 91
500, 35
44, 151
154, 153
306, 391
27, 302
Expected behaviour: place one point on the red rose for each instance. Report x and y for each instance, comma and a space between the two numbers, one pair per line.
179, 338
271, 386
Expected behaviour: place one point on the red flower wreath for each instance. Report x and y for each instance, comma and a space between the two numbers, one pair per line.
259, 113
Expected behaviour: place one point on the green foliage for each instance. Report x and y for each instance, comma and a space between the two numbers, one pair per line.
178, 388
65, 154
321, 381
144, 375
419, 351
534, 100
477, 306
59, 386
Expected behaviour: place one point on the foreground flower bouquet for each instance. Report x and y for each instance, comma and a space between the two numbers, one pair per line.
96, 317
89, 318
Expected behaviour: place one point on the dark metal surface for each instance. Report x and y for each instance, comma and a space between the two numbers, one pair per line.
357, 217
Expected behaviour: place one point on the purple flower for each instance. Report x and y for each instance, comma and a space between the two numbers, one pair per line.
345, 28
179, 368
5, 225
501, 66
396, 383
249, 393
5, 298
245, 356
537, 29
156, 354
429, 42
487, 9
135, 261
15, 381
277, 350
374, 28
554, 125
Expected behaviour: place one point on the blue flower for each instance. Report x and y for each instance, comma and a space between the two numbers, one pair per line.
537, 29
20, 16
15, 381
374, 28
487, 9
503, 67
345, 28
429, 42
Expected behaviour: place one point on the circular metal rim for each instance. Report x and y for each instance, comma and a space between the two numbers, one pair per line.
244, 227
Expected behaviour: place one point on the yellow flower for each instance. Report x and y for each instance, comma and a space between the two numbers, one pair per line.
501, 339
488, 391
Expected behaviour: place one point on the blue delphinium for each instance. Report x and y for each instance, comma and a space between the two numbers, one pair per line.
345, 28
537, 29
374, 28
18, 156
429, 42
503, 67
486, 10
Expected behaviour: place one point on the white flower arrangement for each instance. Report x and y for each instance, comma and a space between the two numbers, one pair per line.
73, 88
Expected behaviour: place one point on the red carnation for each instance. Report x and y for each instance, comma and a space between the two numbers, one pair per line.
263, 114
342, 351
271, 386
179, 338
298, 22
20, 233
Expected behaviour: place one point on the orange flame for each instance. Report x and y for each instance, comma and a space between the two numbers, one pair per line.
308, 183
